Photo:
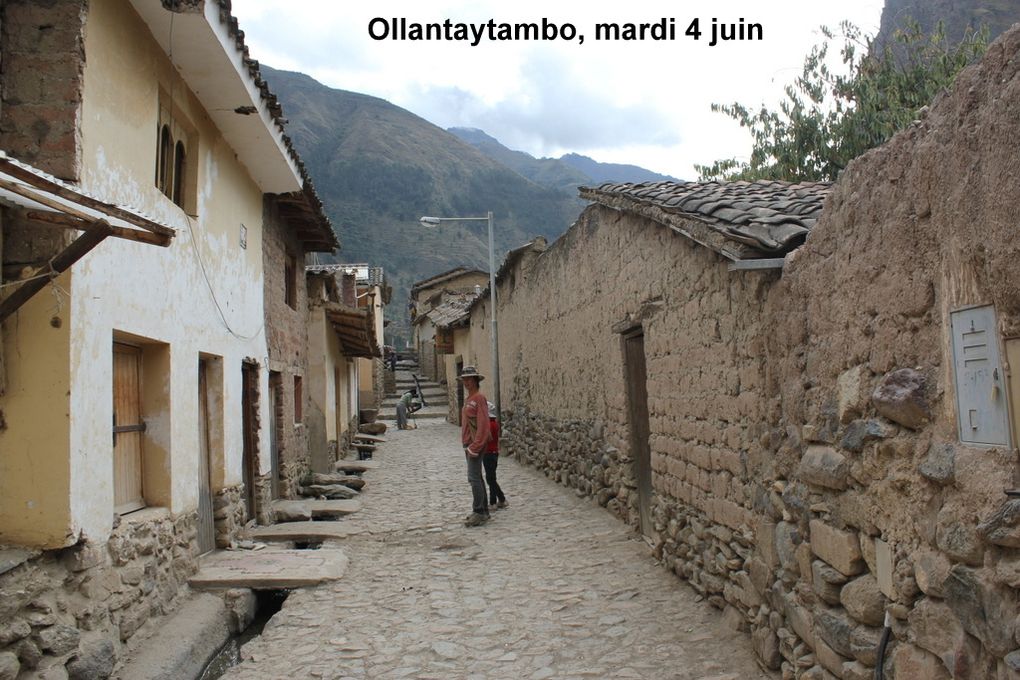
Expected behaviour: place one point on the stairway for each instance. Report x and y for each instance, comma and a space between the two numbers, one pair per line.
435, 395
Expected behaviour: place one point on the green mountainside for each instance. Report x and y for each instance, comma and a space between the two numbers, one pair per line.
566, 172
378, 168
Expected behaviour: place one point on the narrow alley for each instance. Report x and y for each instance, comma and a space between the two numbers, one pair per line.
551, 587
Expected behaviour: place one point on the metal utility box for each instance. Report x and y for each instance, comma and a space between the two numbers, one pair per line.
981, 398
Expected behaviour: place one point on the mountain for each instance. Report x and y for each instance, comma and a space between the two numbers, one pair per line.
957, 16
566, 173
378, 168
612, 172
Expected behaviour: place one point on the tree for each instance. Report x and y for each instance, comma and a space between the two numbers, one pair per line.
827, 119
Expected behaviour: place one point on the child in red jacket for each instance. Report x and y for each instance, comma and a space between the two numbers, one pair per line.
491, 459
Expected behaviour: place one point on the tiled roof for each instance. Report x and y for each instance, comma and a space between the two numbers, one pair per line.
445, 276
740, 220
452, 310
324, 238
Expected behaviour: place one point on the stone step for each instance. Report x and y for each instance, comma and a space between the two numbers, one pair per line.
308, 509
268, 569
356, 466
305, 531
389, 404
429, 412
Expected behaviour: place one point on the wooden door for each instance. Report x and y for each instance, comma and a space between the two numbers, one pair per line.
206, 524
275, 404
249, 424
338, 403
637, 398
127, 429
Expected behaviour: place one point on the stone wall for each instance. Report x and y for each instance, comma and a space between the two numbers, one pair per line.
74, 608
287, 336
807, 473
42, 62
229, 515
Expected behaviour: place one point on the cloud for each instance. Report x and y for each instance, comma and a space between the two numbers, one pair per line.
549, 109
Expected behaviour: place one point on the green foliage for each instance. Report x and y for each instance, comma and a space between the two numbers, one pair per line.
827, 119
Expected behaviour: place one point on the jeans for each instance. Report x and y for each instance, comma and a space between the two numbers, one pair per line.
489, 462
474, 475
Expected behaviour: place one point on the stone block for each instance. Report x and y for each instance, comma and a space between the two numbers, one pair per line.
910, 662
95, 661
934, 627
931, 569
1003, 527
985, 609
864, 644
835, 627
766, 542
58, 639
13, 631
9, 666
860, 432
855, 670
787, 539
823, 584
939, 465
1007, 570
863, 600
900, 397
824, 466
957, 536
884, 564
851, 393
829, 658
800, 620
840, 549
765, 644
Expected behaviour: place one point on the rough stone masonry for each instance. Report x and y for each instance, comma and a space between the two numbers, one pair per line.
806, 468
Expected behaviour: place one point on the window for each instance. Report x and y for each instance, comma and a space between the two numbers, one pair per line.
297, 399
174, 142
290, 281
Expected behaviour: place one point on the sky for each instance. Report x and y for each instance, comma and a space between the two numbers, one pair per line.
644, 102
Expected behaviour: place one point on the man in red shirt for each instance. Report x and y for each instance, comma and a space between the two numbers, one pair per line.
474, 435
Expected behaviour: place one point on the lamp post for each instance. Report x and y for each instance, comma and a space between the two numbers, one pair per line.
435, 221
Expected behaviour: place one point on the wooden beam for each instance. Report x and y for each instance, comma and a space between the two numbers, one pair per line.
65, 221
760, 263
13, 169
92, 237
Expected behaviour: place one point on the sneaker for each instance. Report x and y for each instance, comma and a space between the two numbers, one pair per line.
475, 519
502, 504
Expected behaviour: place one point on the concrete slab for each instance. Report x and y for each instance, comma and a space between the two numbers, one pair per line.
304, 531
314, 508
268, 569
370, 438
350, 466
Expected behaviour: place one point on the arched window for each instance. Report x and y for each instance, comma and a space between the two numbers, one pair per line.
180, 167
164, 160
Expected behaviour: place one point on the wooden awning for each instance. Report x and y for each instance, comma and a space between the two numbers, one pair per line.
46, 202
356, 330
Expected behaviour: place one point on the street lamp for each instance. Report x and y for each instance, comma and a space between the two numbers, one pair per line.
435, 221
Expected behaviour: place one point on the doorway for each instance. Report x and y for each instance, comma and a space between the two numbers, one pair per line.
275, 428
206, 523
635, 374
249, 425
127, 428
460, 390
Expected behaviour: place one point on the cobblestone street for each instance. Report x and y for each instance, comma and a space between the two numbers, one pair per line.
551, 587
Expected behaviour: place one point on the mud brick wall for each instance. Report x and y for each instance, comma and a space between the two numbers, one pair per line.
877, 505
788, 488
67, 613
42, 62
287, 336
565, 396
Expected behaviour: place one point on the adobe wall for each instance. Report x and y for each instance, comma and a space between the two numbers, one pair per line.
287, 335
42, 66
922, 226
564, 395
785, 491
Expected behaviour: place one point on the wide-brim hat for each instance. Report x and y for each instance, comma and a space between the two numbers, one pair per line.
470, 372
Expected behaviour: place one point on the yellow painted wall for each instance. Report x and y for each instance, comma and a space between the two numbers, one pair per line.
202, 294
34, 466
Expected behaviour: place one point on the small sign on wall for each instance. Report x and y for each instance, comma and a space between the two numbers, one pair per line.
243, 240
980, 381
